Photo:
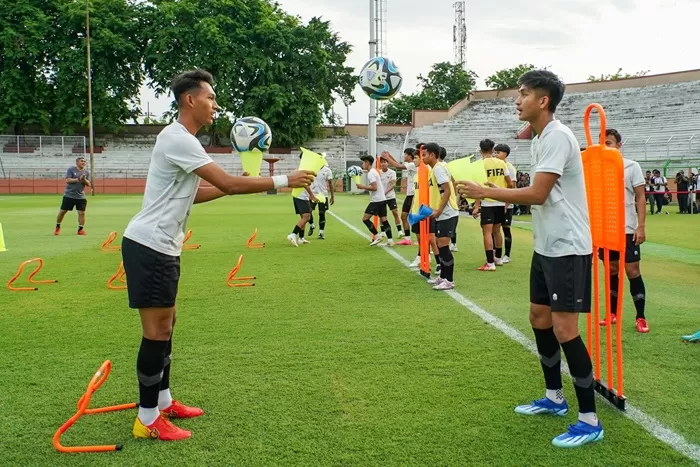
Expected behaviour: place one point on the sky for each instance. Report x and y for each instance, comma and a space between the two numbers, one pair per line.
574, 38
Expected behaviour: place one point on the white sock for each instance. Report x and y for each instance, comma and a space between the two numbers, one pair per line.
320, 231
555, 395
148, 416
164, 399
591, 418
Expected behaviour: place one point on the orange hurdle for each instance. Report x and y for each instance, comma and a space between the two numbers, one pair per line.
31, 276
194, 246
83, 403
251, 241
232, 276
605, 189
107, 244
118, 276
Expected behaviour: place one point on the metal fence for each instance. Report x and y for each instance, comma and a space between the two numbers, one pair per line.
43, 145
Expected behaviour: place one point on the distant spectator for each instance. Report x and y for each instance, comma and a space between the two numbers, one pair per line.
682, 185
659, 184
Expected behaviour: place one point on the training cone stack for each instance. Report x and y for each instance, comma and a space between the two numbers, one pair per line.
231, 281
40, 264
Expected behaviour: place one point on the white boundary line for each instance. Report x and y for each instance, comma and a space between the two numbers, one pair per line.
654, 427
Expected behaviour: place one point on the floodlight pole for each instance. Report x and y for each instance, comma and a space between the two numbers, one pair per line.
372, 126
89, 83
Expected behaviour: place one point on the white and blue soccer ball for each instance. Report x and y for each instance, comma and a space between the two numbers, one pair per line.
354, 171
380, 78
249, 133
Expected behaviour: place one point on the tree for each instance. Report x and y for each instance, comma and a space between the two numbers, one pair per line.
445, 85
265, 62
508, 77
618, 75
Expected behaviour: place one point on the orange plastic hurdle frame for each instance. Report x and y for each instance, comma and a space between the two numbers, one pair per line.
232, 276
424, 226
118, 276
194, 246
40, 264
605, 189
107, 245
83, 403
251, 241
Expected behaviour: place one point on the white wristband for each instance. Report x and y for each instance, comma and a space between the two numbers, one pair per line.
280, 181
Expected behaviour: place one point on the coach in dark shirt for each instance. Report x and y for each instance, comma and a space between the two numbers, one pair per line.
77, 178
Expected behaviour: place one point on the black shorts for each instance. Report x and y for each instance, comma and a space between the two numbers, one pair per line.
562, 283
446, 228
322, 207
391, 204
302, 206
376, 209
407, 204
493, 215
633, 253
151, 277
509, 217
69, 203
415, 228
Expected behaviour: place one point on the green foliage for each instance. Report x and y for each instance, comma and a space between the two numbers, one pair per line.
617, 75
445, 85
508, 77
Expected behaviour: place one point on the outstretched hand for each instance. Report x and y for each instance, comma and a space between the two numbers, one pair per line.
471, 189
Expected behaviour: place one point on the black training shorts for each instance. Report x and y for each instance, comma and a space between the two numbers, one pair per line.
633, 253
446, 228
151, 277
391, 204
302, 206
562, 283
69, 203
415, 228
376, 209
493, 215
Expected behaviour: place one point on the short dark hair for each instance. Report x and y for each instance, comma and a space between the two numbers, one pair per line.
367, 158
432, 148
410, 152
419, 146
188, 81
443, 154
615, 133
502, 148
545, 80
486, 145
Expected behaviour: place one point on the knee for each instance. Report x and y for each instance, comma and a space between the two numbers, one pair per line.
615, 268
566, 326
305, 217
540, 317
632, 270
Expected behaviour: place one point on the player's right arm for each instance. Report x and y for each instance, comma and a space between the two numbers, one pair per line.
235, 185
392, 162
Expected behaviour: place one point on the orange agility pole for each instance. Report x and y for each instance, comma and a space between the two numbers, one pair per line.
251, 241
40, 264
378, 165
83, 403
232, 276
193, 246
107, 245
424, 226
605, 189
118, 276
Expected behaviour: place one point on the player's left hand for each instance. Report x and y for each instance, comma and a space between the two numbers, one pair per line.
332, 201
471, 189
639, 236
437, 213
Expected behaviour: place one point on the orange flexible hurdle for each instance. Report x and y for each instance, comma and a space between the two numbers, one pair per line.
605, 189
107, 244
83, 403
40, 264
232, 276
194, 246
251, 241
118, 276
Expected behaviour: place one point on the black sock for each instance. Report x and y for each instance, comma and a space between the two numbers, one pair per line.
149, 370
80, 227
419, 251
489, 256
453, 239
550, 357
407, 233
437, 260
370, 226
499, 252
448, 264
386, 228
614, 282
296, 230
322, 220
301, 232
58, 226
399, 228
508, 240
311, 219
581, 372
165, 382
639, 295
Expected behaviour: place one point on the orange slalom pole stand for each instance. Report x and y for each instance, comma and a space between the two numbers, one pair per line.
119, 276
424, 226
378, 166
605, 189
193, 246
40, 264
232, 276
94, 384
107, 244
251, 243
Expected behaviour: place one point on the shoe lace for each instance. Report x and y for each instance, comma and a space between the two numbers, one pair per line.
577, 429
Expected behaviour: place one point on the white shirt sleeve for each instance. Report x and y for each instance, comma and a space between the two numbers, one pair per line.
637, 176
554, 153
187, 153
372, 177
392, 176
411, 168
441, 174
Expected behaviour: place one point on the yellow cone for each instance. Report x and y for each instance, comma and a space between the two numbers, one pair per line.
2, 240
251, 162
309, 161
357, 179
321, 198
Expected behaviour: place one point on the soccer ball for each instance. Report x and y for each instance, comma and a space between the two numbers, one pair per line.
354, 171
250, 133
380, 78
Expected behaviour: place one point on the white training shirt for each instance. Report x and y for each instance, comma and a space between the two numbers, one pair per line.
171, 186
560, 226
442, 175
378, 195
388, 177
657, 184
634, 177
320, 185
513, 174
411, 172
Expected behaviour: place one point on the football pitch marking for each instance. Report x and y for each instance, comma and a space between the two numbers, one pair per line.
653, 426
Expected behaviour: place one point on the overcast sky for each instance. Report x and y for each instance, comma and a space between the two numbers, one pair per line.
575, 38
